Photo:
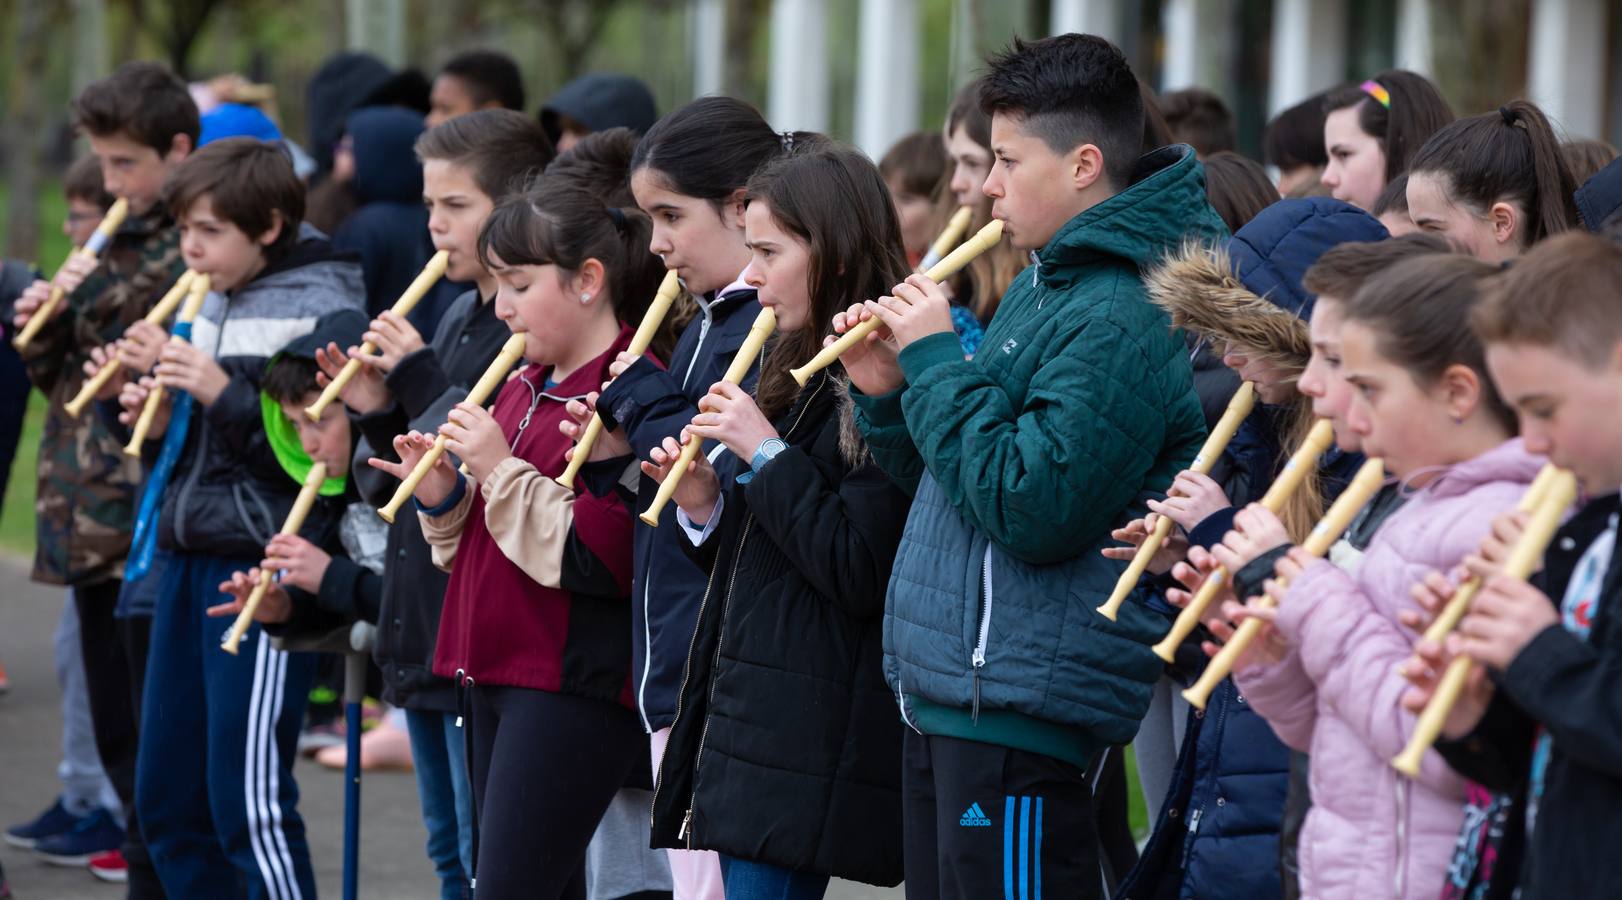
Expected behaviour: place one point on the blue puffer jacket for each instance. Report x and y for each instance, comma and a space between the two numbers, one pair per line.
1217, 833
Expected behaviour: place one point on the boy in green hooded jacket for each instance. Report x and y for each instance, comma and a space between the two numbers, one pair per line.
1079, 406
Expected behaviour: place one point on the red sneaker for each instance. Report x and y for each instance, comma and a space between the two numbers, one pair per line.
110, 866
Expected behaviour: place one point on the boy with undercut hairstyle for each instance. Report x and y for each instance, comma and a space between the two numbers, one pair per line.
141, 123
1545, 723
214, 786
1079, 406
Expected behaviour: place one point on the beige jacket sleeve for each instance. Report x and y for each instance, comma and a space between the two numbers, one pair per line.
530, 516
444, 532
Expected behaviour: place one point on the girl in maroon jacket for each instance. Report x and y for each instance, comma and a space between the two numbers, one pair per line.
537, 610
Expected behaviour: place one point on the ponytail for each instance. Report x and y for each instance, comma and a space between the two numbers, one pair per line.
709, 148
1508, 155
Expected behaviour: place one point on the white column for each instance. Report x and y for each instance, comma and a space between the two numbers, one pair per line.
707, 34
1309, 50
887, 82
1199, 38
378, 27
1414, 37
1100, 17
797, 95
1567, 65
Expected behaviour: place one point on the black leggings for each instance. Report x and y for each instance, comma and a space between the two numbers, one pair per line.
544, 767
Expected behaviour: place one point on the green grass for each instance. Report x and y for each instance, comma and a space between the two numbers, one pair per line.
1136, 813
17, 516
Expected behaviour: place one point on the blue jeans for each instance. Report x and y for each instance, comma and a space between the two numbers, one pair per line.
440, 758
748, 880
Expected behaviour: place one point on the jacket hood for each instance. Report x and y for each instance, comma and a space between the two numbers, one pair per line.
310, 268
1141, 224
600, 102
1248, 290
1508, 461
345, 328
1599, 198
344, 83
386, 166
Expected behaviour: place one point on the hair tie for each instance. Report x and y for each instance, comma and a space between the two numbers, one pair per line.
1511, 117
617, 216
1377, 91
787, 140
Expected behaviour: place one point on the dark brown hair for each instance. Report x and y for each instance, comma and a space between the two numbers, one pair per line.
503, 150
1069, 90
985, 279
1295, 137
1341, 270
1156, 133
1585, 157
246, 181
967, 114
1565, 292
916, 163
1393, 199
142, 100
1419, 310
1199, 118
488, 75
564, 223
709, 148
1509, 155
83, 182
832, 198
1237, 187
601, 162
1417, 111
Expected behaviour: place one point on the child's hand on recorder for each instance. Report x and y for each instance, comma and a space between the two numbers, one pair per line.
274, 607
1424, 671
700, 488
436, 485
871, 364
1171, 550
301, 563
610, 444
473, 435
364, 393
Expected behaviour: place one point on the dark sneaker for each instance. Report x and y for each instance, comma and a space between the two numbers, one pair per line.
56, 820
110, 866
95, 834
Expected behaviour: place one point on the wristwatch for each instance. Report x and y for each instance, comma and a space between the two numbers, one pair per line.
768, 448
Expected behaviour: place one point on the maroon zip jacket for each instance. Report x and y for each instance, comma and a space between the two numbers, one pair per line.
502, 627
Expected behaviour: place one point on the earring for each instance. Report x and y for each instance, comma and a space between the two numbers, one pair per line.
585, 298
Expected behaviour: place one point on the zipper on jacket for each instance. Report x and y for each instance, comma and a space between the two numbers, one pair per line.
1401, 785
703, 332
685, 833
978, 658
647, 604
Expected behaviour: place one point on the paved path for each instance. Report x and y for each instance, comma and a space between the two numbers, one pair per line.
392, 860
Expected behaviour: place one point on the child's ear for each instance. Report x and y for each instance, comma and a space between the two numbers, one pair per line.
591, 278
1505, 220
180, 147
732, 209
1086, 166
274, 231
1461, 390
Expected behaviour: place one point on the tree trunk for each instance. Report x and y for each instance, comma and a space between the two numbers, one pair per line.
24, 132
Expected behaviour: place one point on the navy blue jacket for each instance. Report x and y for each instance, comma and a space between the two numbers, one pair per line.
651, 404
1217, 833
389, 228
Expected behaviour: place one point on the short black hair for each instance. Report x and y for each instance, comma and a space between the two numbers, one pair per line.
1069, 90
490, 76
1393, 199
290, 378
143, 100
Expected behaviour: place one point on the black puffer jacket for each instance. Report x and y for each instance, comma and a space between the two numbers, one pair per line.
787, 746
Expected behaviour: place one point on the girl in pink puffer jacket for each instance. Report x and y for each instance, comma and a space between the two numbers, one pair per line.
1424, 403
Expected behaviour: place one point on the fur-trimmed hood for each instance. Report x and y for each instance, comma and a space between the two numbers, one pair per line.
1248, 289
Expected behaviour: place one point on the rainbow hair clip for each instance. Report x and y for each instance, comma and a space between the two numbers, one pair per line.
1377, 90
